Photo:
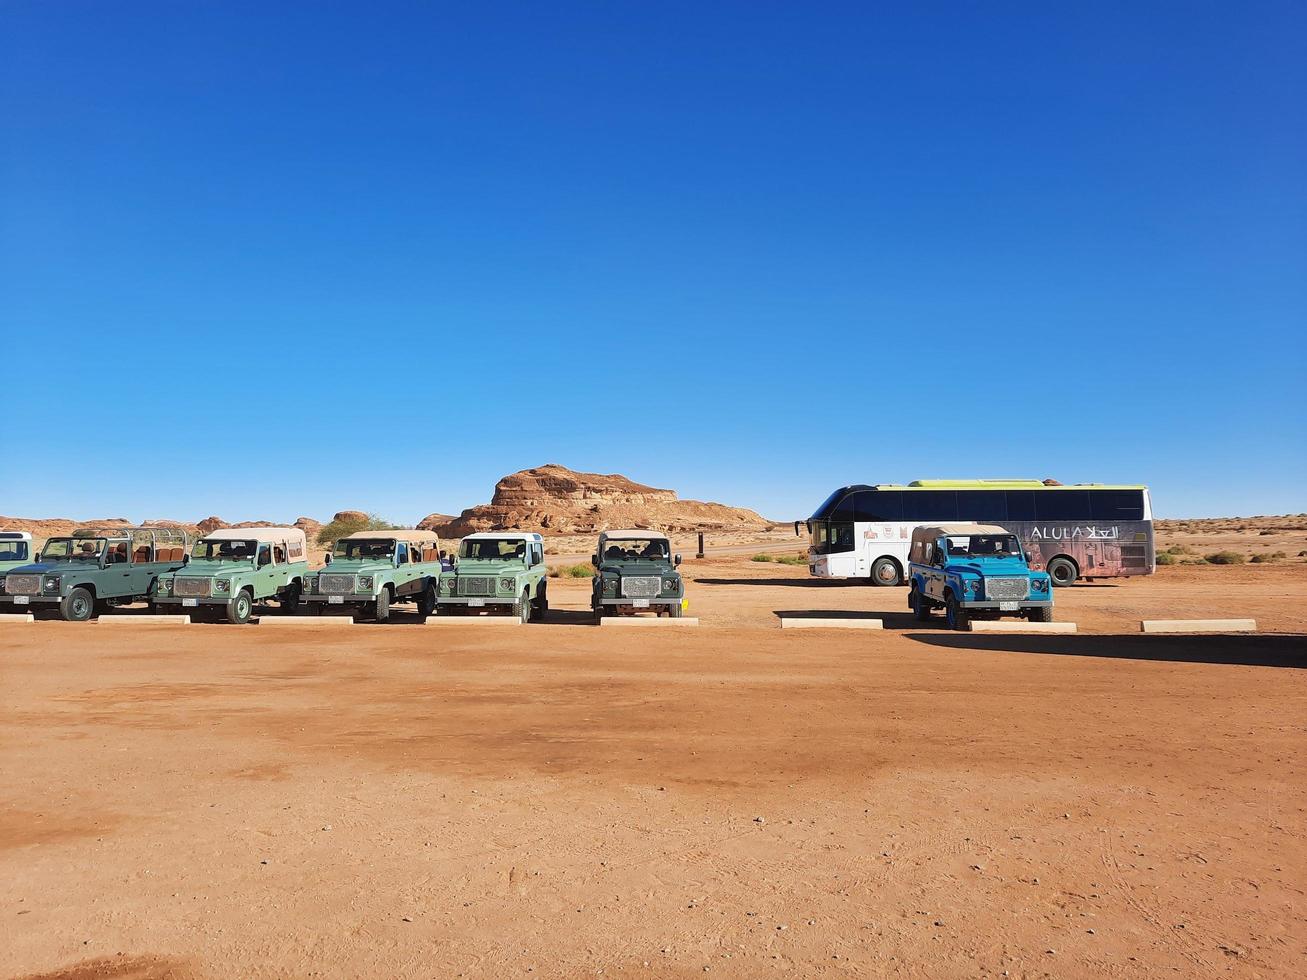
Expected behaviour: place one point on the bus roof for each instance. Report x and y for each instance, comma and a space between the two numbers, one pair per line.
1002, 485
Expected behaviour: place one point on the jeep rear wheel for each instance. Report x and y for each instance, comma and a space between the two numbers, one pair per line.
290, 599
1062, 571
381, 608
78, 605
885, 571
239, 607
920, 605
958, 618
427, 600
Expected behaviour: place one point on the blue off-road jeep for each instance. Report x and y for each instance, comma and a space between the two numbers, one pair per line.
974, 571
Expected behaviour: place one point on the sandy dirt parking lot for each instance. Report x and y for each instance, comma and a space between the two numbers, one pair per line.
562, 800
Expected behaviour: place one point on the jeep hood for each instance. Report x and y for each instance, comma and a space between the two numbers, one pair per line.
355, 566
51, 568
990, 566
487, 566
208, 569
638, 568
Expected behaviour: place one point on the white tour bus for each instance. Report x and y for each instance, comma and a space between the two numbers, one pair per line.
1082, 531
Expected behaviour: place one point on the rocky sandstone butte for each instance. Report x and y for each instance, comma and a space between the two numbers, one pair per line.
53, 527
555, 500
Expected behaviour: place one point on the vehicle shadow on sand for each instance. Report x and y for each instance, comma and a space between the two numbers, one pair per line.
1247, 650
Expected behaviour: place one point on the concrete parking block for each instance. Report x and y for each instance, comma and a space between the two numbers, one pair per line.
305, 621
472, 621
144, 620
1199, 626
807, 623
17, 618
1019, 626
653, 621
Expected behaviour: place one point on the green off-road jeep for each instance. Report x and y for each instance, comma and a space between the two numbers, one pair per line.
497, 572
228, 571
636, 571
96, 568
373, 569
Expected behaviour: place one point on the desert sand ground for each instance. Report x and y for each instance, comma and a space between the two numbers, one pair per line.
561, 800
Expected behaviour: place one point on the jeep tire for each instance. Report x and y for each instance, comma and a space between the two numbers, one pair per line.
920, 605
78, 605
541, 605
428, 600
958, 618
381, 608
675, 611
1062, 571
240, 607
522, 608
289, 600
1041, 614
885, 571
597, 608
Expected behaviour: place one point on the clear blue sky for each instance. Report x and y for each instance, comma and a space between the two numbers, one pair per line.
264, 260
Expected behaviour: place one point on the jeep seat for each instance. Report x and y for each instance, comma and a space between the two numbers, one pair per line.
141, 555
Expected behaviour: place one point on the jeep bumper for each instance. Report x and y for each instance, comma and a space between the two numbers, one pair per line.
674, 600
29, 600
1000, 603
476, 601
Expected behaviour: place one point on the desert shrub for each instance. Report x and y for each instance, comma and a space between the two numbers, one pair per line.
329, 533
1226, 558
572, 571
1166, 558
761, 558
782, 559
1177, 549
1265, 533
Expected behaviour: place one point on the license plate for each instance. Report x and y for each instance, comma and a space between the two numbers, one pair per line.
22, 600
640, 603
335, 600
1008, 606
476, 602
190, 602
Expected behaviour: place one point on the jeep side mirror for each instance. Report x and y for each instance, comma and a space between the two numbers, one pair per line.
186, 559
594, 560
326, 558
676, 560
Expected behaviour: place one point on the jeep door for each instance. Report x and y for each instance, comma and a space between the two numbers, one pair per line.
266, 573
934, 574
536, 556
121, 575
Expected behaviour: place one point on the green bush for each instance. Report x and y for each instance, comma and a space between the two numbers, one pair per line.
782, 559
572, 571
1166, 558
761, 558
1177, 549
1267, 557
328, 534
1226, 558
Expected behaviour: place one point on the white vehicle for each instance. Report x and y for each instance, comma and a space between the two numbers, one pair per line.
1081, 531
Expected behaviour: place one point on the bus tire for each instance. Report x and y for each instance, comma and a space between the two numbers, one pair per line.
1062, 571
886, 571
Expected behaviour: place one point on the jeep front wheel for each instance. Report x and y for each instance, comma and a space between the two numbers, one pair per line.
676, 611
523, 606
381, 608
78, 605
541, 603
1062, 571
958, 618
885, 571
1041, 614
239, 607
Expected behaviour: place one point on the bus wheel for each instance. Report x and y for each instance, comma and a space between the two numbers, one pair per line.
1062, 571
885, 571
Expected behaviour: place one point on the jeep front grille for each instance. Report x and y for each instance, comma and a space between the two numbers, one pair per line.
335, 584
23, 584
476, 585
641, 586
190, 587
1006, 588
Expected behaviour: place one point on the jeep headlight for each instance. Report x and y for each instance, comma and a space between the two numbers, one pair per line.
971, 586
507, 585
222, 585
1039, 585
165, 585
310, 584
610, 586
448, 584
669, 585
52, 583
364, 583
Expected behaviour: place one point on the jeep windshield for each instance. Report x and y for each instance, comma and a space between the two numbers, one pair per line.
224, 550
73, 549
13, 551
495, 549
380, 548
984, 546
650, 549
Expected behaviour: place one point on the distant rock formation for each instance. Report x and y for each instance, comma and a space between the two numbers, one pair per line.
552, 499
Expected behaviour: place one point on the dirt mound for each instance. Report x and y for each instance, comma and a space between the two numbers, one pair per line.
555, 500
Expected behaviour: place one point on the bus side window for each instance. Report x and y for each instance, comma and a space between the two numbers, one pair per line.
1021, 505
